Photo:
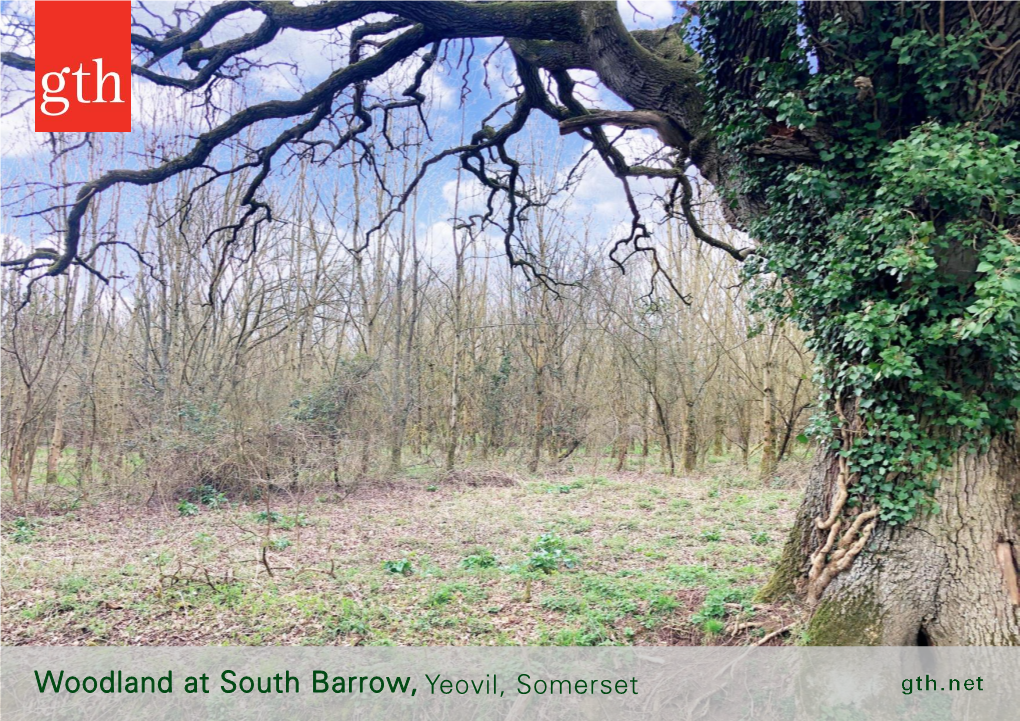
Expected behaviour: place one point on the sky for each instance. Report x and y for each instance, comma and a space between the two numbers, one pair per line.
294, 62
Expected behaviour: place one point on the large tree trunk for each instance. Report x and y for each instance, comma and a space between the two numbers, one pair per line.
947, 578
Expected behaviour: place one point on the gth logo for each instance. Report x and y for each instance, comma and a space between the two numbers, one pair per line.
83, 66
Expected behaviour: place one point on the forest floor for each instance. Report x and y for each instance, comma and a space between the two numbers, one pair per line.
479, 558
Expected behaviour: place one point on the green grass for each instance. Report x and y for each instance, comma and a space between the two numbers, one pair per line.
655, 560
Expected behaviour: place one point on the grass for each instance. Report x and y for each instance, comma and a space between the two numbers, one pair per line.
658, 561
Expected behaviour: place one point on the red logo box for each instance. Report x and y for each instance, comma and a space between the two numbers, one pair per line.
83, 66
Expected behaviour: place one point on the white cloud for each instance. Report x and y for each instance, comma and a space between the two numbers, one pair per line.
13, 247
300, 60
635, 13
161, 108
437, 247
501, 74
473, 196
435, 85
601, 194
232, 26
589, 88
17, 137
12, 37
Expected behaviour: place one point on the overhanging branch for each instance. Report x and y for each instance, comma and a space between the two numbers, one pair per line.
669, 132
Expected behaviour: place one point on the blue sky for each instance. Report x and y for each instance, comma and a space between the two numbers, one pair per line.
296, 61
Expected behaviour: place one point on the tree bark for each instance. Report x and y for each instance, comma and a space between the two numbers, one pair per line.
667, 438
690, 438
718, 449
458, 293
767, 469
621, 444
539, 427
56, 447
947, 578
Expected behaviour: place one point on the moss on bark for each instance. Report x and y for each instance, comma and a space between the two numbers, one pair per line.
846, 621
783, 582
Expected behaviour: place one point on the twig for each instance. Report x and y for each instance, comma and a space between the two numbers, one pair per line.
769, 636
265, 562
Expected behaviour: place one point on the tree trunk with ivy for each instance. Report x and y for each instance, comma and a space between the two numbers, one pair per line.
946, 578
897, 246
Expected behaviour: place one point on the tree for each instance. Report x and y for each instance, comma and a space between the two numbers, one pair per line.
870, 150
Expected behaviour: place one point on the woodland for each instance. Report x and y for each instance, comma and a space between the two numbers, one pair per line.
560, 323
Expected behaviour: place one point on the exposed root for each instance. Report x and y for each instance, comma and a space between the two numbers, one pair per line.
745, 626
